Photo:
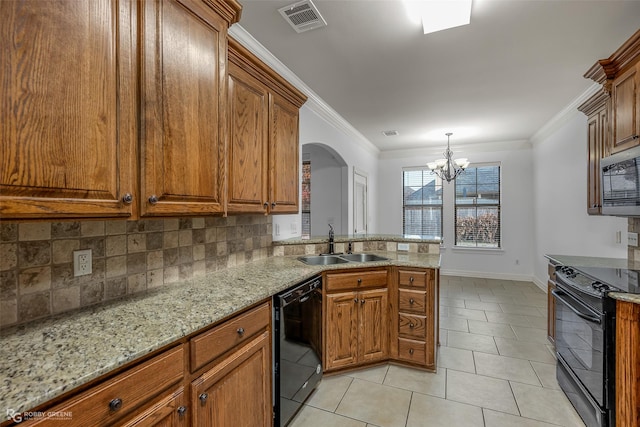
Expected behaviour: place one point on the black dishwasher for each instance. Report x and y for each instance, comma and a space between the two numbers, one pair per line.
297, 347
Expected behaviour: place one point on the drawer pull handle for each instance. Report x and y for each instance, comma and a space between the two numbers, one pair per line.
411, 301
355, 300
273, 204
359, 281
115, 404
266, 205
410, 351
411, 325
203, 397
411, 279
240, 331
181, 411
362, 301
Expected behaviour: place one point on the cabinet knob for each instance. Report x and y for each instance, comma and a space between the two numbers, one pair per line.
359, 281
362, 301
355, 300
181, 411
411, 301
410, 351
115, 404
127, 198
240, 331
411, 279
411, 325
266, 205
203, 397
153, 199
273, 204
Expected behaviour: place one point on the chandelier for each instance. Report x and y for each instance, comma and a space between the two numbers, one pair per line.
447, 168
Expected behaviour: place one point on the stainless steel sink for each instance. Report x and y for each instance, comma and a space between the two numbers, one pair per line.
322, 260
363, 257
340, 259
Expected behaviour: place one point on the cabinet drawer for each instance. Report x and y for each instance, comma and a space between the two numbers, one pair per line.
412, 351
413, 326
412, 301
357, 280
414, 279
212, 344
107, 402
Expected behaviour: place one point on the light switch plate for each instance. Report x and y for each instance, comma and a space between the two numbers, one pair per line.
632, 239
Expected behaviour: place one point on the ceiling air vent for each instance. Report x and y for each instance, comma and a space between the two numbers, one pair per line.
303, 16
390, 133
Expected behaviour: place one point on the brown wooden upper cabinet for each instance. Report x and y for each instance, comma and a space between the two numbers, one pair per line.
183, 51
625, 111
263, 154
68, 115
613, 114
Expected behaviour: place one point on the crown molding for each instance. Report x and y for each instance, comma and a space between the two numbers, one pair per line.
460, 149
566, 114
314, 102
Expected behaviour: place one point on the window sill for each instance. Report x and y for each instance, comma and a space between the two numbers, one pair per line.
477, 250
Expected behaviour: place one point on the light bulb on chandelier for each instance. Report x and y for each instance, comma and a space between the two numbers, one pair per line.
448, 169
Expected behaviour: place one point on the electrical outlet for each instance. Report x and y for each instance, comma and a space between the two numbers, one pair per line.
403, 247
632, 239
82, 262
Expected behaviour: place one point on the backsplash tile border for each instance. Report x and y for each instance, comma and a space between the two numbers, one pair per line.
36, 268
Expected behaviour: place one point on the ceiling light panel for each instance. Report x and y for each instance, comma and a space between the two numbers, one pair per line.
438, 15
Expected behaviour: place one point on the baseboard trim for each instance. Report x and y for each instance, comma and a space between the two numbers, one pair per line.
501, 276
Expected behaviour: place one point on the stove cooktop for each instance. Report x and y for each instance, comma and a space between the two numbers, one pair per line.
623, 280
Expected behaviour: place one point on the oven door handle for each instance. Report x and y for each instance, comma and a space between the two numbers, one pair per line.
592, 319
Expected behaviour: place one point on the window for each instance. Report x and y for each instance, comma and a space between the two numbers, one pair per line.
421, 203
477, 207
306, 199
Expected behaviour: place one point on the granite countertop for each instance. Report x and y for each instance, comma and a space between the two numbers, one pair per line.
44, 359
361, 238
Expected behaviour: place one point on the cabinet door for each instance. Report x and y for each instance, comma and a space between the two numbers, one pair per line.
374, 325
166, 411
625, 114
283, 156
183, 55
68, 115
595, 153
237, 391
248, 134
341, 329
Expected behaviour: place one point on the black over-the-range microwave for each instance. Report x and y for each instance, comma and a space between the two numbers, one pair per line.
621, 183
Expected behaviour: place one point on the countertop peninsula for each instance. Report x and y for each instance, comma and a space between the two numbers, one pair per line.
46, 358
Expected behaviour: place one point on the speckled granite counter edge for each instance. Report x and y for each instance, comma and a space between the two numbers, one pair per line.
44, 359
360, 238
622, 296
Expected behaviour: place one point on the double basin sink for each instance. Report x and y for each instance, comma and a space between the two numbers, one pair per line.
329, 259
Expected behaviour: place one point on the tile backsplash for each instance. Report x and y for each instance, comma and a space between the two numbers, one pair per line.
36, 258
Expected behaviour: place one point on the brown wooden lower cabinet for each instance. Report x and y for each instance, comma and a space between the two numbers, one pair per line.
226, 381
627, 363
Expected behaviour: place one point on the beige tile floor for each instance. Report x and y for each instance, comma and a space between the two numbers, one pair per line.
495, 369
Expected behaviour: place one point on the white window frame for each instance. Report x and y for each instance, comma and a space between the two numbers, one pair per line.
423, 169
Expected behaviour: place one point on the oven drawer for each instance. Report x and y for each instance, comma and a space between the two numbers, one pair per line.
412, 326
356, 280
412, 351
414, 278
412, 301
212, 344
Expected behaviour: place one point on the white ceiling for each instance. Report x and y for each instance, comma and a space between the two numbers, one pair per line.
499, 79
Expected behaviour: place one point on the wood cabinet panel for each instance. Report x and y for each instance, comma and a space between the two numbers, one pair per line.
413, 278
356, 280
410, 301
374, 325
183, 55
209, 345
341, 330
284, 158
237, 391
412, 326
68, 108
248, 142
627, 364
165, 411
625, 114
414, 351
